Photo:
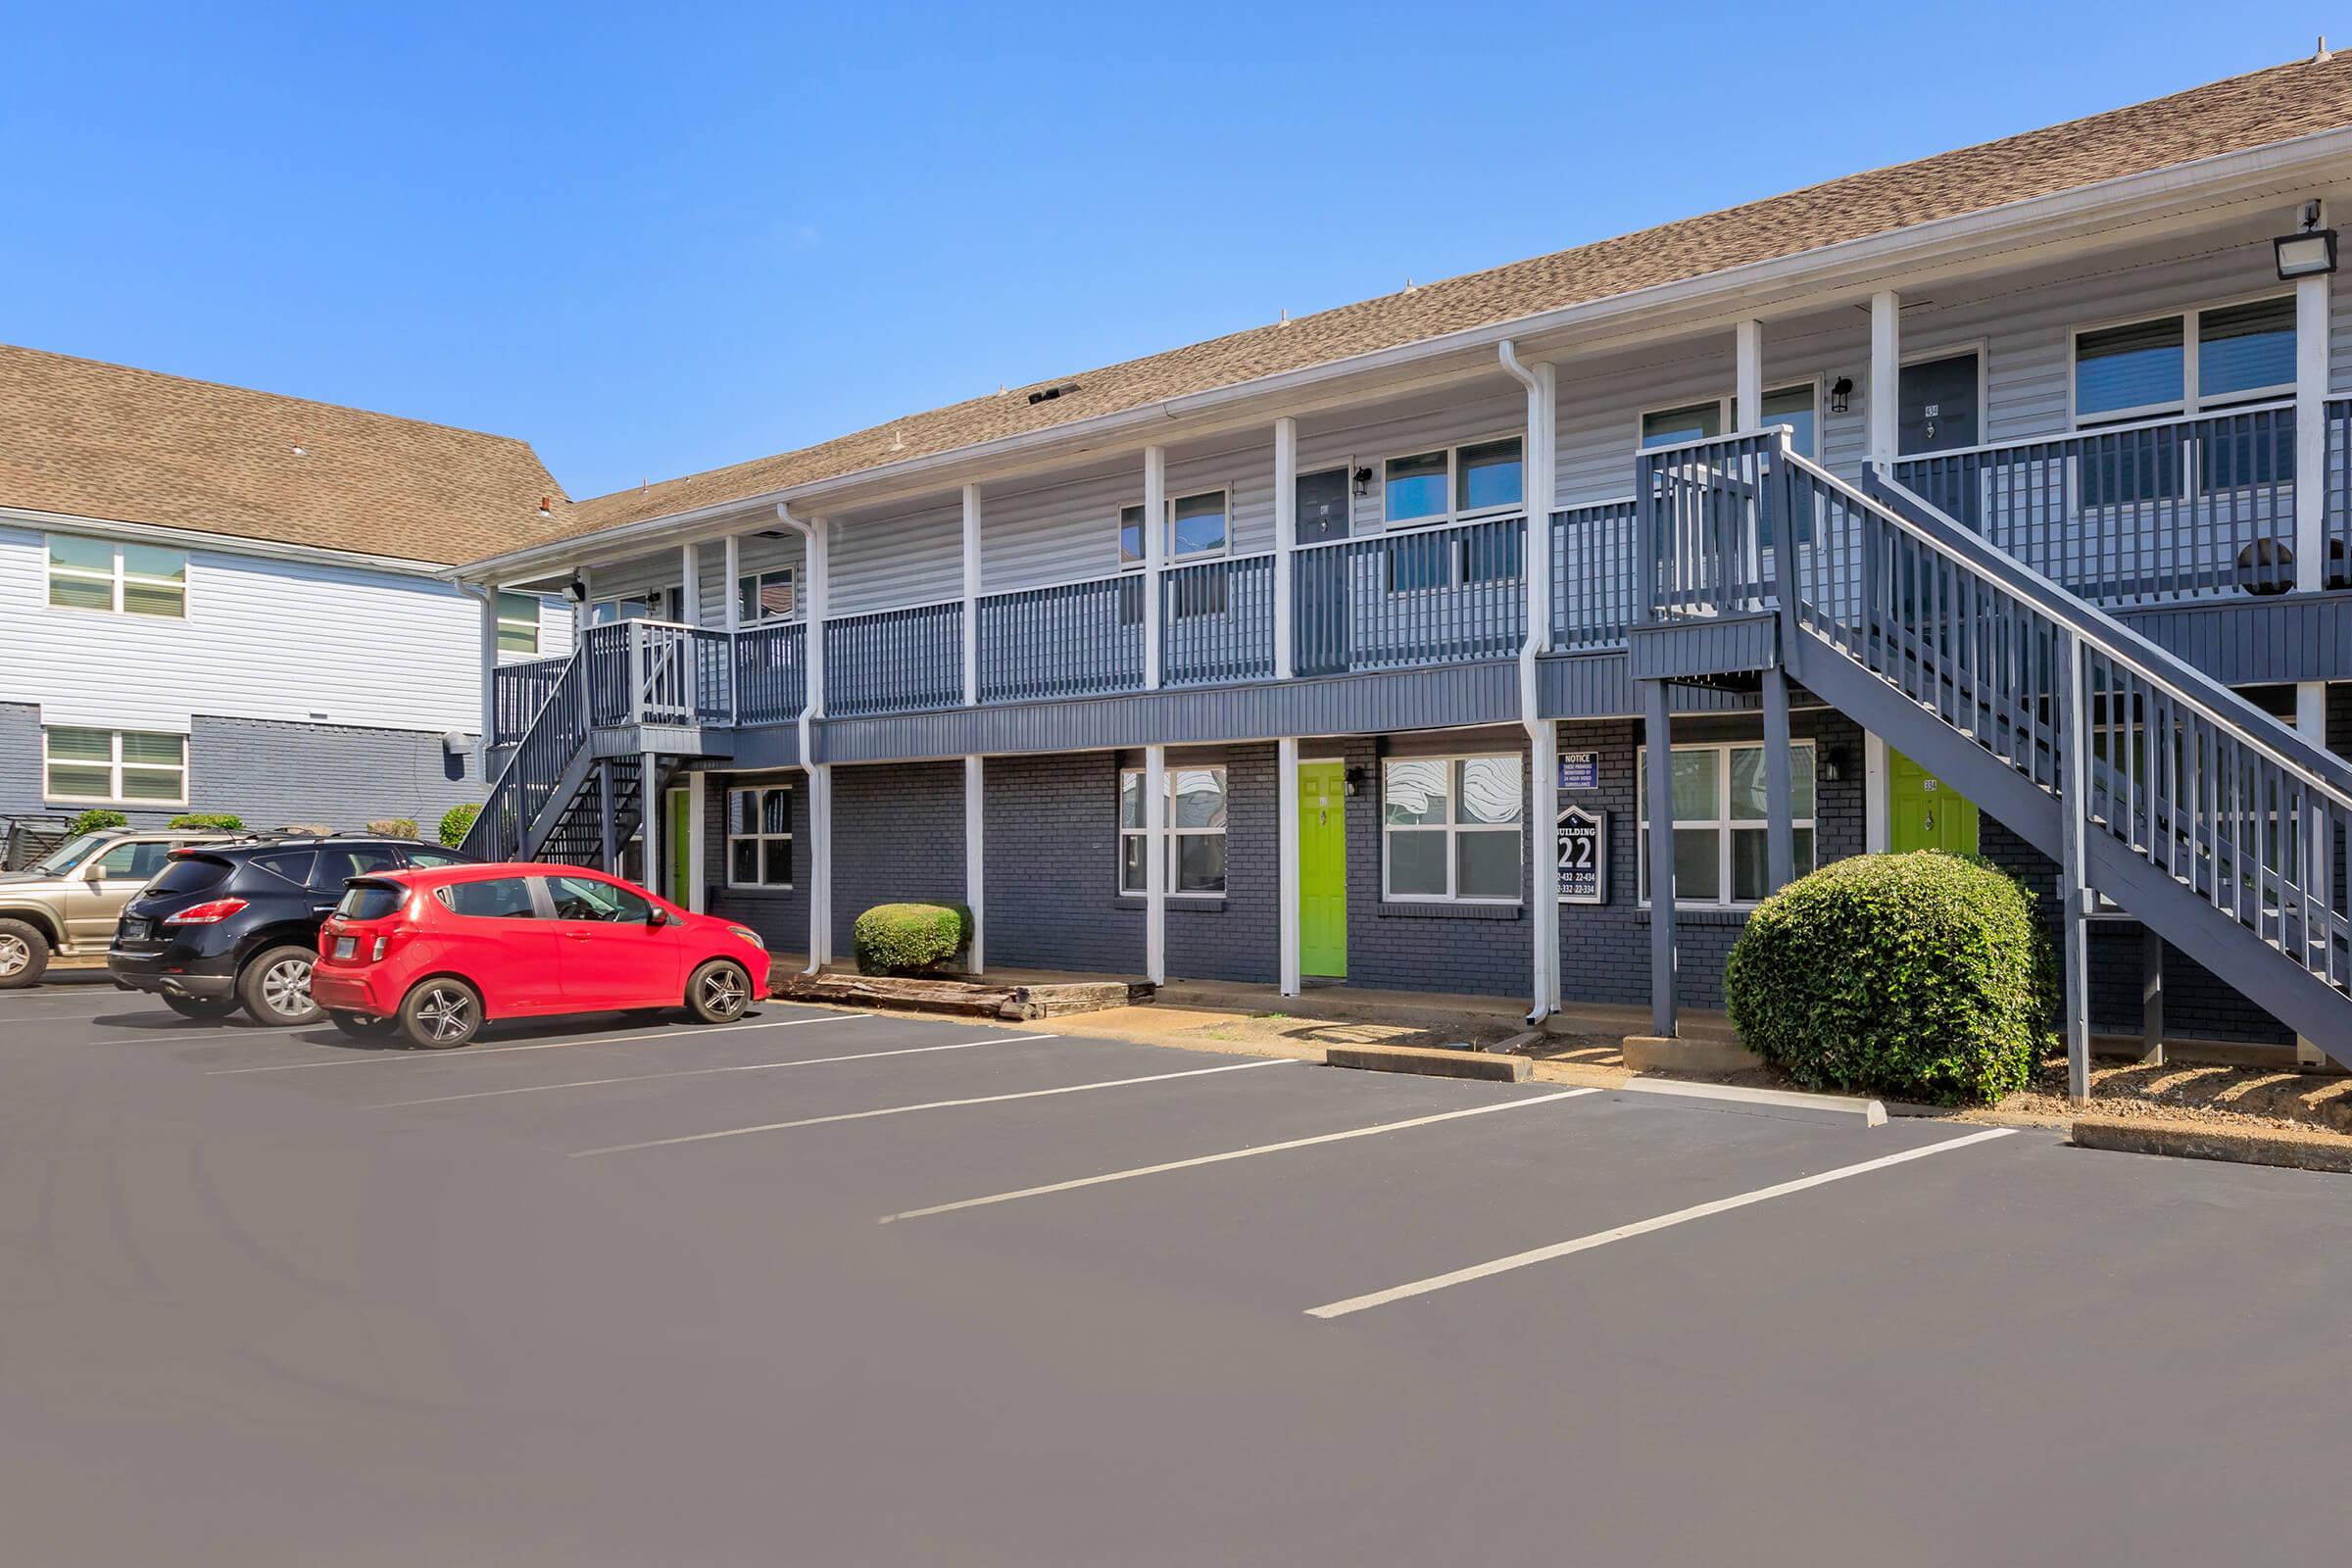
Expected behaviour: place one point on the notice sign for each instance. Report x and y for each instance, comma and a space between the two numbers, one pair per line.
1581, 842
1580, 770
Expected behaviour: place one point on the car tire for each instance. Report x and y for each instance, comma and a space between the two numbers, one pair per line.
362, 1026
718, 992
24, 954
201, 1007
441, 1014
276, 987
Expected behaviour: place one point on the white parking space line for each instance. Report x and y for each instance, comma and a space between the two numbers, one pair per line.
704, 1073
1238, 1154
1681, 1216
929, 1104
470, 1053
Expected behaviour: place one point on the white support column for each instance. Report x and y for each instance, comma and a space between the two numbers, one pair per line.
2311, 430
1883, 402
975, 896
1285, 540
2311, 720
1874, 836
690, 580
821, 867
1747, 376
820, 777
649, 819
698, 870
1155, 555
1543, 491
489, 674
732, 588
971, 603
1286, 858
820, 603
1156, 865
1544, 773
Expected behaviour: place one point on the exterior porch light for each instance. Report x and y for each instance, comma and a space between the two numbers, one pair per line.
1842, 395
2309, 252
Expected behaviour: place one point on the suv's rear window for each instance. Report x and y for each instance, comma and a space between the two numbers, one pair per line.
370, 900
189, 873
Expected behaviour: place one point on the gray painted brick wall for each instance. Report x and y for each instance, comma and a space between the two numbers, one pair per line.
1050, 847
898, 836
272, 773
779, 914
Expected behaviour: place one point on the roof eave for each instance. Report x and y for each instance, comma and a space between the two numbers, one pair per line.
1843, 263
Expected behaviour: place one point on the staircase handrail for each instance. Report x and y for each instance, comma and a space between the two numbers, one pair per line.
508, 781
1905, 509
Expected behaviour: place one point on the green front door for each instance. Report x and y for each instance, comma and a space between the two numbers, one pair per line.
1323, 869
681, 847
1923, 813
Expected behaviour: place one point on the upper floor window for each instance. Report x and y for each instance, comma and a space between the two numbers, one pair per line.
1454, 483
605, 611
764, 596
1198, 526
517, 623
1795, 407
2144, 369
129, 767
125, 579
1452, 827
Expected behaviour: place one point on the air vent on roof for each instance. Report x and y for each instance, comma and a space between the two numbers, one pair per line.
1051, 392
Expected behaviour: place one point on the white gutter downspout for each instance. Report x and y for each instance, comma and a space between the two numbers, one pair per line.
821, 793
1543, 736
486, 596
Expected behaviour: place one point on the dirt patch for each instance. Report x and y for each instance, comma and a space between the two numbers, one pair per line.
2248, 1099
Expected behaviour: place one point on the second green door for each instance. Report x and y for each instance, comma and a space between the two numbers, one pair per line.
1323, 869
1923, 813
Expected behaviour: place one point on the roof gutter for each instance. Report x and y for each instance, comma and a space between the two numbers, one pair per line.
1852, 260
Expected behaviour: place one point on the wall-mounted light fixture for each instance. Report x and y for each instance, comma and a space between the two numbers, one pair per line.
1364, 482
1842, 395
1353, 779
2308, 252
1832, 766
578, 588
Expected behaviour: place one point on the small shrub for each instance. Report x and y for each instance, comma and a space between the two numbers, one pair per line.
457, 822
98, 818
209, 821
393, 827
1922, 975
909, 938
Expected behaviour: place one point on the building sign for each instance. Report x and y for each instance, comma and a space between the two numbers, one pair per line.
1580, 770
1581, 841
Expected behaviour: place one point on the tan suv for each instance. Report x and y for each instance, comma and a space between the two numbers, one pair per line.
67, 903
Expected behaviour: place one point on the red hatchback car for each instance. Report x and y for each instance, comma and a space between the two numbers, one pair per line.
434, 954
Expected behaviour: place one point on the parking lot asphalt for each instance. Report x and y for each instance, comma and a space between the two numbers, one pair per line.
827, 1287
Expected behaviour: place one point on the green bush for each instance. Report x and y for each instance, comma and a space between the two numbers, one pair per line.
1924, 976
211, 821
99, 817
457, 822
909, 938
393, 827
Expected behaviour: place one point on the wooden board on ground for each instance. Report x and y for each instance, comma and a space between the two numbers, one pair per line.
963, 998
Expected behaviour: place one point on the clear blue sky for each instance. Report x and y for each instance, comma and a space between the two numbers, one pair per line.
651, 241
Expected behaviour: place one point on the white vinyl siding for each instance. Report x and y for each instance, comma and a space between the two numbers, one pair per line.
885, 562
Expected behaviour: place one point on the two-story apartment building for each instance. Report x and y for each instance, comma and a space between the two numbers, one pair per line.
221, 599
1518, 632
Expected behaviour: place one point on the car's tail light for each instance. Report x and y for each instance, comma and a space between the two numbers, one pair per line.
376, 954
211, 913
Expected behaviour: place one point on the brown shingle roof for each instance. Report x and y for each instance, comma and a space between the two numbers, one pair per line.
95, 440
2282, 102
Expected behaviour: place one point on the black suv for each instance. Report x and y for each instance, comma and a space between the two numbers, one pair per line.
225, 926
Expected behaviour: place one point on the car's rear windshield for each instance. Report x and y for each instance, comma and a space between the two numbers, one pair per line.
188, 873
370, 900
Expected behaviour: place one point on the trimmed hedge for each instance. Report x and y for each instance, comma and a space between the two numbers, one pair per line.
97, 819
909, 938
222, 821
456, 823
393, 827
1924, 976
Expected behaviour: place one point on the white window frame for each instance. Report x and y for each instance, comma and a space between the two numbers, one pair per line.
2192, 401
646, 599
1451, 829
1171, 831
507, 623
756, 579
763, 839
1167, 536
1803, 753
1453, 511
1726, 416
116, 767
115, 579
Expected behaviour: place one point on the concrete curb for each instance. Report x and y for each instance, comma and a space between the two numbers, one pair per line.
1689, 1053
1431, 1063
1787, 1104
2327, 1152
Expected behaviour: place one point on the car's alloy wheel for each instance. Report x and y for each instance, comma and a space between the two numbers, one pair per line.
445, 1016
286, 988
14, 953
723, 991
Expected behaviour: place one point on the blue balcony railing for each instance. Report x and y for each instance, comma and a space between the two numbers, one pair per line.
1592, 576
1428, 595
895, 660
1074, 639
772, 674
1217, 621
